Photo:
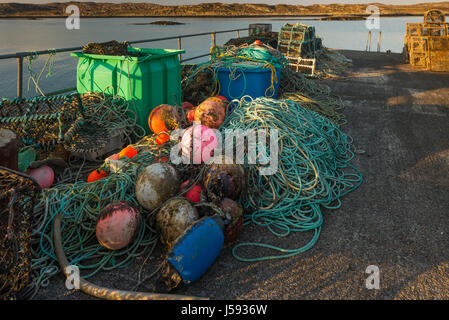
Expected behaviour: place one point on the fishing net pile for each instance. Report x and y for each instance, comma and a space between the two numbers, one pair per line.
111, 48
312, 174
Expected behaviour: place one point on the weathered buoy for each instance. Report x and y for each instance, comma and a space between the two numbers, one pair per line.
223, 181
233, 230
186, 106
129, 152
210, 113
173, 218
164, 118
194, 194
156, 183
197, 249
44, 176
117, 225
96, 175
222, 101
198, 143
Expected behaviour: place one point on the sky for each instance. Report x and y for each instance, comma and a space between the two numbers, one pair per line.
297, 2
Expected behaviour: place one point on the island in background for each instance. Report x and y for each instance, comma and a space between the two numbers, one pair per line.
104, 10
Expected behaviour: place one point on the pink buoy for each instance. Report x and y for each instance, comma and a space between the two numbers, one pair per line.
44, 176
198, 143
117, 225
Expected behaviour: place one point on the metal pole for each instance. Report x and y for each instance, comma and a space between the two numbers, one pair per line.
179, 47
20, 77
238, 34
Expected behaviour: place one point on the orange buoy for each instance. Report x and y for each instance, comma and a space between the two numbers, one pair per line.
96, 175
258, 43
210, 113
128, 152
164, 118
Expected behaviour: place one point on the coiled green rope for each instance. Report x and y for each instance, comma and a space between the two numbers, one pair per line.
313, 171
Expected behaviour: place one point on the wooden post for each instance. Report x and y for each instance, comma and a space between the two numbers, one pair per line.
379, 39
179, 47
214, 40
20, 77
238, 34
9, 152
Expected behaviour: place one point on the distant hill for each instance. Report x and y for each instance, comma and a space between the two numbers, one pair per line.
93, 9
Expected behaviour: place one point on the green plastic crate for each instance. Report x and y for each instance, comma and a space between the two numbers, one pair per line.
149, 80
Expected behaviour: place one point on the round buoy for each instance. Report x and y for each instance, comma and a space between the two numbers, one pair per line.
128, 152
210, 113
223, 181
96, 175
164, 118
191, 116
233, 230
44, 176
258, 43
118, 225
222, 101
194, 194
156, 183
198, 143
174, 218
187, 106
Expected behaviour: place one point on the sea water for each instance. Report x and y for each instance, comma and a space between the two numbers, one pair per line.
18, 35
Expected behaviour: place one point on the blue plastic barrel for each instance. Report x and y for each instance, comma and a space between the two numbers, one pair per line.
240, 80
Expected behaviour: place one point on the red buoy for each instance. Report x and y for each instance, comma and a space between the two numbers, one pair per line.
118, 225
194, 194
234, 228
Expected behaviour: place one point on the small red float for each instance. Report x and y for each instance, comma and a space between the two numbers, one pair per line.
194, 194
128, 152
96, 175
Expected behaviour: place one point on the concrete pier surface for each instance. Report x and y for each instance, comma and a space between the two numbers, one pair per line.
398, 220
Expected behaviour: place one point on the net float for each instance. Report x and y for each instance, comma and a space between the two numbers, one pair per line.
222, 101
194, 194
210, 113
233, 230
173, 218
96, 175
163, 118
186, 106
44, 176
258, 43
129, 152
195, 250
222, 180
162, 138
117, 225
191, 115
157, 183
198, 143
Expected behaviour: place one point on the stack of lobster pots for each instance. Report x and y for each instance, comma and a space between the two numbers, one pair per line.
426, 45
298, 43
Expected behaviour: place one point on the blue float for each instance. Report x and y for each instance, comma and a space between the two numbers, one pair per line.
195, 251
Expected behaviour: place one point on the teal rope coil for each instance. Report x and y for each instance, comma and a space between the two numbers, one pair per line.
314, 171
